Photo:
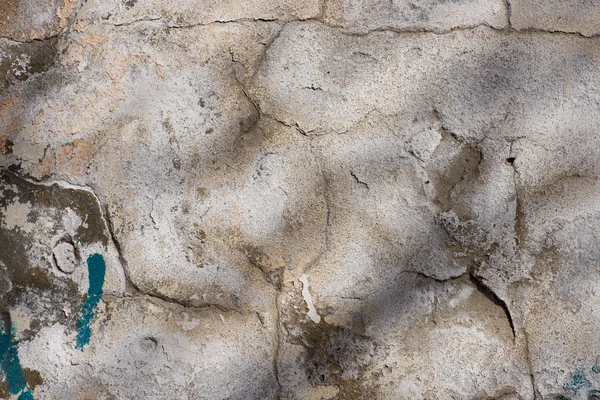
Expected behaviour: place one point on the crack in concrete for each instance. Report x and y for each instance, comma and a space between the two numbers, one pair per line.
179, 303
427, 276
168, 24
362, 183
278, 347
481, 287
389, 29
488, 292
134, 290
327, 200
140, 21
65, 30
44, 39
530, 365
111, 230
520, 227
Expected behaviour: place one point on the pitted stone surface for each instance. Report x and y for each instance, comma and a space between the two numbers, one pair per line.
363, 16
27, 20
557, 16
180, 13
171, 353
299, 200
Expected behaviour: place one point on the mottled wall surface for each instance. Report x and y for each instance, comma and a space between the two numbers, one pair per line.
299, 199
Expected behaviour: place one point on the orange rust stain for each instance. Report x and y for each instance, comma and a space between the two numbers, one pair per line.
73, 157
65, 12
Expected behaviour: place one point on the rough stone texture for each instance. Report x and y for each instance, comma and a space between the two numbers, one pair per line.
581, 16
363, 16
180, 13
171, 353
27, 20
299, 200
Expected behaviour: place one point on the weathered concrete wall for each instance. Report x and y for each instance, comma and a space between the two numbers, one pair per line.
308, 199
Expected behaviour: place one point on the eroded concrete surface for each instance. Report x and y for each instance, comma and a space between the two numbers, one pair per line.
338, 199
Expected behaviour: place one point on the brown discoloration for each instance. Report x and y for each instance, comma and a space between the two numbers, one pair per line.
9, 10
3, 390
33, 378
74, 157
6, 145
35, 277
65, 12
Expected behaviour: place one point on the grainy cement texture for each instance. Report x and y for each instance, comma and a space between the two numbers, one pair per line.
313, 199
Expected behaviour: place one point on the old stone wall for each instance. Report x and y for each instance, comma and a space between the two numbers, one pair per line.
299, 199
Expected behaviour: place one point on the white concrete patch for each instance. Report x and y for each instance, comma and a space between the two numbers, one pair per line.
312, 312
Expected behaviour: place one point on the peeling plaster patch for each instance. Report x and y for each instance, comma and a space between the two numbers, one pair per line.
71, 221
21, 319
312, 312
188, 323
96, 270
15, 216
11, 366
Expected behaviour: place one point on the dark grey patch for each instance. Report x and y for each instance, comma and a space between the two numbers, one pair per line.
6, 146
594, 395
337, 354
24, 60
28, 281
129, 3
83, 203
148, 344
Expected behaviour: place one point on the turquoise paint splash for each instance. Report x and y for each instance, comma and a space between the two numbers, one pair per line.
13, 373
578, 381
96, 272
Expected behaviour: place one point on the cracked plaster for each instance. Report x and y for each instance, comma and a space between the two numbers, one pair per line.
429, 168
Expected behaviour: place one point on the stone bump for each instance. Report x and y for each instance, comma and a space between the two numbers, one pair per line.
65, 257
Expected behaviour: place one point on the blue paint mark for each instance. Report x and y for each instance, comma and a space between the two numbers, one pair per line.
596, 369
13, 373
578, 381
96, 272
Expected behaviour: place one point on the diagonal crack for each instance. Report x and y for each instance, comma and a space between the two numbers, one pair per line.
326, 199
490, 294
481, 287
357, 179
530, 365
279, 339
111, 230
